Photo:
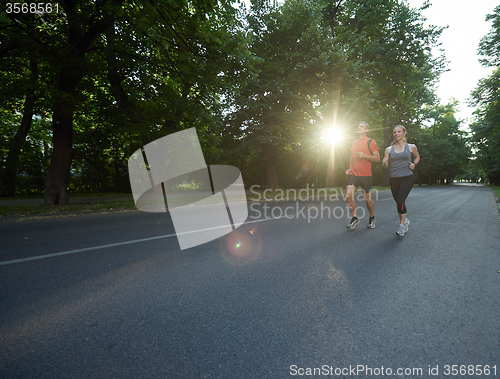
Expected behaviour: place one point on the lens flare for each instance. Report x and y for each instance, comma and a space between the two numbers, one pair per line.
241, 246
334, 134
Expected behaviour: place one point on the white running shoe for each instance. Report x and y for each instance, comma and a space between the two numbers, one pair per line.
371, 223
407, 222
353, 223
401, 230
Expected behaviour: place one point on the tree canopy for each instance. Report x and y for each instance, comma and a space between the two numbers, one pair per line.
486, 97
88, 85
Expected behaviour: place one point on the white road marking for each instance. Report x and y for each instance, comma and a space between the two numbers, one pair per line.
27, 259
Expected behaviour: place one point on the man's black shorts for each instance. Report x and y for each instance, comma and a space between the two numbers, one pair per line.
364, 182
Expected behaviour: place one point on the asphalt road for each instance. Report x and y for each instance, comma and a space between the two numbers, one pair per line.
113, 296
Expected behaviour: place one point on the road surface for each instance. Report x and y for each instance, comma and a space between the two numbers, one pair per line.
113, 296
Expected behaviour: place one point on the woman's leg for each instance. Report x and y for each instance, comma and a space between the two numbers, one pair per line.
400, 188
405, 187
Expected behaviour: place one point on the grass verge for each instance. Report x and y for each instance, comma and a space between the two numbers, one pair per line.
496, 189
46, 210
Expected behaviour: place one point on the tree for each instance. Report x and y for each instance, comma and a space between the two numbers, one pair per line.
85, 23
486, 127
325, 63
125, 72
443, 146
403, 68
275, 109
114, 75
20, 82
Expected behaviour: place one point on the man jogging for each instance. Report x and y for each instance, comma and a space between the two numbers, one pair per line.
364, 151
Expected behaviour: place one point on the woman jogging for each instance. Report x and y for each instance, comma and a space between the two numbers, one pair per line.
398, 158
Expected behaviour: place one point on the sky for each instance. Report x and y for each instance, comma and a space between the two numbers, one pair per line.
466, 26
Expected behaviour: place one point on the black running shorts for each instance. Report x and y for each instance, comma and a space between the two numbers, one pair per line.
364, 182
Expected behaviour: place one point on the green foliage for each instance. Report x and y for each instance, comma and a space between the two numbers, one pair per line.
161, 67
444, 147
489, 46
260, 86
486, 97
323, 63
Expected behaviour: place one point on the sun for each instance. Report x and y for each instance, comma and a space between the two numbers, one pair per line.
333, 134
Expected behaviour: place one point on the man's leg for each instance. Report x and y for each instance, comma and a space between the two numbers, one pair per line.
352, 206
369, 203
350, 199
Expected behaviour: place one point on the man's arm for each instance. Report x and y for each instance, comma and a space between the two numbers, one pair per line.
349, 171
375, 157
387, 154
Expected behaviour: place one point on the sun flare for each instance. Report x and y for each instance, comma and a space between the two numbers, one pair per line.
333, 134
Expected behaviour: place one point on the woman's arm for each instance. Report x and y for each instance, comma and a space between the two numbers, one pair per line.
416, 156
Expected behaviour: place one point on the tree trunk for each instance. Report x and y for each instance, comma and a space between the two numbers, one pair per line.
115, 80
71, 74
8, 185
387, 141
57, 177
387, 133
495, 179
16, 143
269, 153
272, 176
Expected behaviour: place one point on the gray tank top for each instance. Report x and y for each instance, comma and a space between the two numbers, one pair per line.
399, 163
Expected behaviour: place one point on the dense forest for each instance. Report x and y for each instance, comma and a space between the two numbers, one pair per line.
86, 83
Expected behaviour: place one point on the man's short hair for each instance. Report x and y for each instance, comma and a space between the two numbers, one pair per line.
365, 124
